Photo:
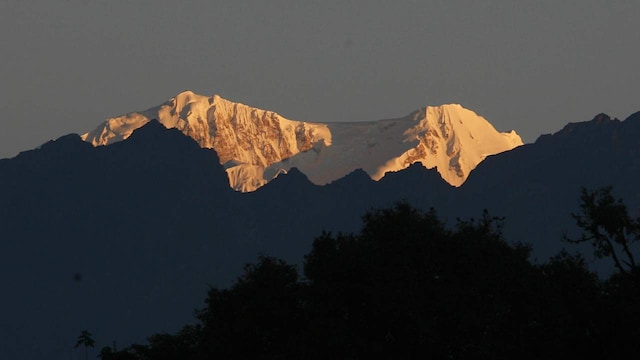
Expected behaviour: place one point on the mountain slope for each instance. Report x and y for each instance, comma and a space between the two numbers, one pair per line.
122, 240
246, 139
256, 145
118, 240
537, 186
449, 138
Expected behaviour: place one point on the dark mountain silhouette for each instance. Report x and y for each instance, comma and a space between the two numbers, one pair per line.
107, 239
123, 240
536, 185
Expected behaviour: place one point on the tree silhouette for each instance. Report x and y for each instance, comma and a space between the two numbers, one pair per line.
407, 286
258, 317
571, 325
85, 339
613, 233
607, 226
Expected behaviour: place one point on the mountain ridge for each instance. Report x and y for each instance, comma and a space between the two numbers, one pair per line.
147, 223
256, 145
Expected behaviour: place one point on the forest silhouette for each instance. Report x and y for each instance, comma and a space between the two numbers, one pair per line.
409, 286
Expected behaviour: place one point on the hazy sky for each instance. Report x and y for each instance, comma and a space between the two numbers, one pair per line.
532, 66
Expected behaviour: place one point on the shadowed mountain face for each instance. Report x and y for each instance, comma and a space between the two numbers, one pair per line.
107, 239
122, 240
537, 185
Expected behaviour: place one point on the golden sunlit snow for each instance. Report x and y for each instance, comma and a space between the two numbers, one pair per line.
256, 145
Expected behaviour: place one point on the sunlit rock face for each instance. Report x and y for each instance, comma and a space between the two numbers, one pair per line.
256, 145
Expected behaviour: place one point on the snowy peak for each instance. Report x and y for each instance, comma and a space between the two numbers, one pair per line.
256, 145
452, 139
246, 139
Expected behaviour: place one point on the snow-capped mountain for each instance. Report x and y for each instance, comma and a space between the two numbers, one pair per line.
148, 225
257, 145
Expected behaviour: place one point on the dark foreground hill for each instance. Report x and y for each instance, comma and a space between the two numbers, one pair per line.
123, 240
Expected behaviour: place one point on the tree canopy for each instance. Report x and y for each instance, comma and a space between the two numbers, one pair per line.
610, 230
409, 286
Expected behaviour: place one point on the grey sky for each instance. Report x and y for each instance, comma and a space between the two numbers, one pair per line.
532, 66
